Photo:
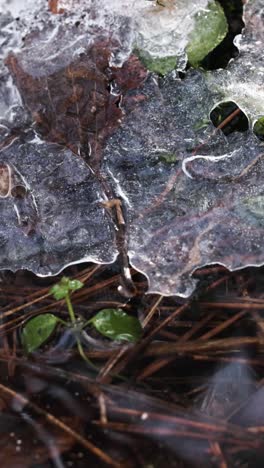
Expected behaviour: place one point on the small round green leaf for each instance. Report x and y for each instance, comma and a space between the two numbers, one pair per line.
64, 287
37, 331
117, 325
74, 285
59, 291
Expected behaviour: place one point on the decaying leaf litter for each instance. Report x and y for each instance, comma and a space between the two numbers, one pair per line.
213, 417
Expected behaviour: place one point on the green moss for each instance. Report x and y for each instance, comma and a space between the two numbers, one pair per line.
210, 29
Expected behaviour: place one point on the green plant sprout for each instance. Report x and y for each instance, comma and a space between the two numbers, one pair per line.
62, 290
114, 324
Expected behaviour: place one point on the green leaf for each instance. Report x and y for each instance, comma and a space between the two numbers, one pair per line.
37, 331
258, 128
210, 29
59, 292
168, 158
64, 287
74, 285
117, 325
162, 65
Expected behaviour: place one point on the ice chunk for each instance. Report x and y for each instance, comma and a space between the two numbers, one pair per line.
52, 215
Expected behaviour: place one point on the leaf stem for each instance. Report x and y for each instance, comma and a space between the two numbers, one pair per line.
70, 309
74, 322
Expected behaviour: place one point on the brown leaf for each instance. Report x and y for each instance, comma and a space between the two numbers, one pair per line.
69, 94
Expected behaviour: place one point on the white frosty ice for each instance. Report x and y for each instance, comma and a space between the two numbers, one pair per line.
159, 30
16, 6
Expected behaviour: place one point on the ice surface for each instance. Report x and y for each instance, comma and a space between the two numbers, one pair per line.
191, 196
206, 206
59, 90
160, 30
194, 211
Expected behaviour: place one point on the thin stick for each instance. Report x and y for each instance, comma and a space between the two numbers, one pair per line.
151, 312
